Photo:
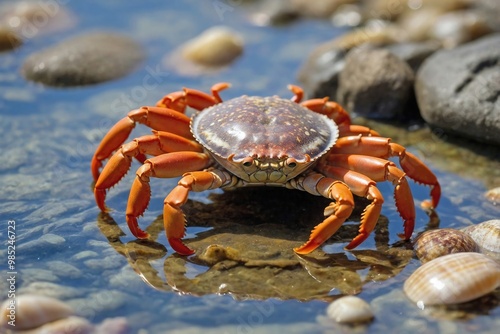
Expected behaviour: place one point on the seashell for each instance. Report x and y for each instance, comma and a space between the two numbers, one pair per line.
349, 309
69, 325
487, 237
453, 279
493, 195
435, 243
32, 311
216, 46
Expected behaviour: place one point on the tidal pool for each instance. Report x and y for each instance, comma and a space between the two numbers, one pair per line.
67, 249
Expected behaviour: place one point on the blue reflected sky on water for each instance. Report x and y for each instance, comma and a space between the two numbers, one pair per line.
50, 134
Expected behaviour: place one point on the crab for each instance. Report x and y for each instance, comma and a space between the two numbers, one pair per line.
307, 145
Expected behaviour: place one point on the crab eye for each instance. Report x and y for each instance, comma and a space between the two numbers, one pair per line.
292, 163
247, 162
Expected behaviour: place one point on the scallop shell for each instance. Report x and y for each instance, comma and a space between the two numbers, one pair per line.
486, 235
435, 243
32, 311
453, 279
349, 309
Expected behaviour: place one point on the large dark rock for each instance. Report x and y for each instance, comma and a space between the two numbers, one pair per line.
84, 60
375, 83
458, 90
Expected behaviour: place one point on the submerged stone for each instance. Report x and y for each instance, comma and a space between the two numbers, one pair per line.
84, 60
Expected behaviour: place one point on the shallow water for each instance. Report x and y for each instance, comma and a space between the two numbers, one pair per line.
50, 134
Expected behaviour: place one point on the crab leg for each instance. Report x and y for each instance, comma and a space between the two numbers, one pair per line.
173, 217
158, 118
362, 186
166, 116
159, 142
163, 166
337, 211
378, 170
384, 148
341, 117
194, 98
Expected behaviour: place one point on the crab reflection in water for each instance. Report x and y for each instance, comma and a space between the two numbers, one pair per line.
257, 259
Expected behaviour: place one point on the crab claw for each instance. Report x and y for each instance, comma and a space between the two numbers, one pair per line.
114, 170
337, 212
174, 220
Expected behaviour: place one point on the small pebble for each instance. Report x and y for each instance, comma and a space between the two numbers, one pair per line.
211, 51
214, 47
493, 195
9, 40
350, 309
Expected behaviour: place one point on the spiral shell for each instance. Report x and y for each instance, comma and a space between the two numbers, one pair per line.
349, 309
453, 279
32, 311
435, 243
486, 235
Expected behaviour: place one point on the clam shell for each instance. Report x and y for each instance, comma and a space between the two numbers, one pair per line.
435, 243
453, 279
486, 235
32, 311
349, 309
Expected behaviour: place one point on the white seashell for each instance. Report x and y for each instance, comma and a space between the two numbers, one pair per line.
453, 279
216, 46
486, 235
32, 311
349, 309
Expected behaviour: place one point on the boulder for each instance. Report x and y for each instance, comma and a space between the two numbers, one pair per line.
458, 90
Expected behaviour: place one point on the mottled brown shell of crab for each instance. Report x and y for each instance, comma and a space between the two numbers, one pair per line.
264, 127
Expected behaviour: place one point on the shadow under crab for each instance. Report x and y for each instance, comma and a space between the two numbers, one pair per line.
248, 250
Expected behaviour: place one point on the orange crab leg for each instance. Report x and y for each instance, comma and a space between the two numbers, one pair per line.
155, 117
329, 108
118, 165
384, 148
166, 116
322, 106
337, 211
378, 170
194, 98
341, 117
173, 217
164, 166
363, 186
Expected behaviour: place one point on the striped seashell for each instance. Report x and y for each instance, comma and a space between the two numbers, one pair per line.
453, 279
486, 235
435, 243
